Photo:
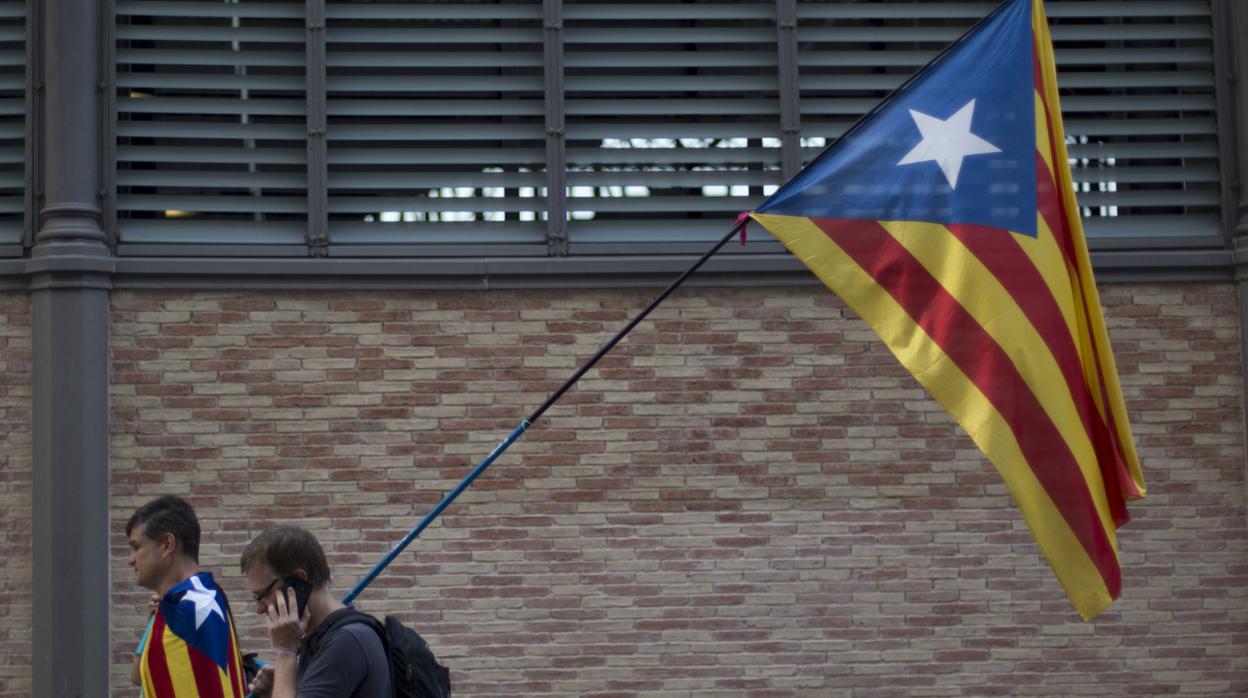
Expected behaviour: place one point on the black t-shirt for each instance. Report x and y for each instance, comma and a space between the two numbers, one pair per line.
349, 662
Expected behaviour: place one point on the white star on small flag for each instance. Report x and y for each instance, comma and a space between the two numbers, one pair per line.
205, 601
947, 141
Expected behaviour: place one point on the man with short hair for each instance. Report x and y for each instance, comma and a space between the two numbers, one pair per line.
321, 654
190, 648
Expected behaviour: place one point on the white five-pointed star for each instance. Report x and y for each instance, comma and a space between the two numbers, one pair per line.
947, 142
205, 601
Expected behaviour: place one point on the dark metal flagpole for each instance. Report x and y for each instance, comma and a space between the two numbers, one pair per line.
524, 425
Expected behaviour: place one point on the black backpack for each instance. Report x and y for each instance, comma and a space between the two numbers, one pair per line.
414, 671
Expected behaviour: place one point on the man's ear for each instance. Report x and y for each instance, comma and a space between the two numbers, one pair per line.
168, 544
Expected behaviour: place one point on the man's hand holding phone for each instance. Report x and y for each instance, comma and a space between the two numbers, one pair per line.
286, 623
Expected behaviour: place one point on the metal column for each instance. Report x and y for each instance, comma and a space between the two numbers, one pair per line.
69, 269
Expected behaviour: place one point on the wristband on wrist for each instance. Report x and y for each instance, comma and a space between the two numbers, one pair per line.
282, 651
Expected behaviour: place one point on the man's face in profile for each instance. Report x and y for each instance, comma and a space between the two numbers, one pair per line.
147, 559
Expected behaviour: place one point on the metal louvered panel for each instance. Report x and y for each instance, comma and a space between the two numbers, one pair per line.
436, 123
211, 134
673, 117
12, 120
441, 114
1136, 81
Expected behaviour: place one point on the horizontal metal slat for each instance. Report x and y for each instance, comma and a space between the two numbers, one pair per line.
1144, 151
1152, 198
581, 59
1187, 225
212, 155
669, 35
181, 8
1131, 174
684, 180
675, 107
435, 83
672, 130
461, 234
673, 156
437, 132
375, 181
199, 130
223, 34
209, 203
426, 35
209, 179
1180, 125
191, 231
209, 81
340, 156
427, 12
211, 105
668, 12
478, 108
218, 57
662, 204
375, 204
425, 61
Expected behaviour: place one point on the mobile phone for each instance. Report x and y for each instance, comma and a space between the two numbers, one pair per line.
303, 589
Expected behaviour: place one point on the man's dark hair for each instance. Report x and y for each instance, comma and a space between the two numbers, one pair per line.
168, 514
286, 549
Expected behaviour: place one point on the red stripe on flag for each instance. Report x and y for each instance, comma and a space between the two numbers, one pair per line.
990, 369
207, 673
1050, 202
1015, 271
157, 661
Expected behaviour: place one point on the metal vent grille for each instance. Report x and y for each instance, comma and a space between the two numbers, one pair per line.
211, 134
12, 120
673, 118
436, 132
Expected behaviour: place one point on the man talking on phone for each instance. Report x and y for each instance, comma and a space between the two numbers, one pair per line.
317, 655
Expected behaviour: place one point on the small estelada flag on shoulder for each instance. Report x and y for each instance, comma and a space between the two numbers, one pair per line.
946, 218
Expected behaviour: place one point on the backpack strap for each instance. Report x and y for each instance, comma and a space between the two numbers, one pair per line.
343, 616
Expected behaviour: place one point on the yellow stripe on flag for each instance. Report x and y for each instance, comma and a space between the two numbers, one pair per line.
979, 291
1099, 335
178, 659
958, 394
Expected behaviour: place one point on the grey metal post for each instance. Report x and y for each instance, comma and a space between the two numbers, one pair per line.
1230, 19
317, 123
556, 144
790, 100
69, 270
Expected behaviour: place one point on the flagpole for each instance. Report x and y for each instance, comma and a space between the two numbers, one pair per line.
525, 424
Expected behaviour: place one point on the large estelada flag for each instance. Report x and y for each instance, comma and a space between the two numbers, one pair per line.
946, 218
191, 650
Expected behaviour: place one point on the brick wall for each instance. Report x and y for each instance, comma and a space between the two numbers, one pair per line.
749, 498
15, 493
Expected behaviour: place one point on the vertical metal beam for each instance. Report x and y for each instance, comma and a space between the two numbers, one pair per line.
1230, 21
69, 269
317, 123
790, 89
556, 140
